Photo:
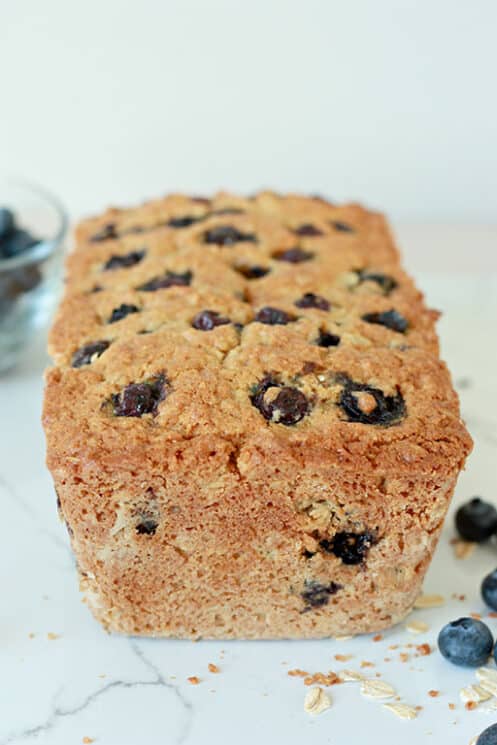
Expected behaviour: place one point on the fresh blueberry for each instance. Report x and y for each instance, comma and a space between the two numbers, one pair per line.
105, 233
252, 272
183, 222
16, 243
342, 227
386, 283
488, 736
351, 548
476, 520
6, 222
466, 642
489, 590
367, 405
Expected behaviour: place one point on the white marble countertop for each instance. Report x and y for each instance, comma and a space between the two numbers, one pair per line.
118, 691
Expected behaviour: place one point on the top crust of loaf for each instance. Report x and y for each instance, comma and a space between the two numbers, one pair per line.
346, 373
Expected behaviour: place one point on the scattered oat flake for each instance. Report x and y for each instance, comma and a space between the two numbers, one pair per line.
463, 549
474, 693
365, 663
403, 711
429, 601
343, 657
51, 636
377, 689
416, 627
393, 646
423, 650
487, 678
213, 668
433, 693
344, 638
489, 706
316, 701
474, 740
194, 680
350, 676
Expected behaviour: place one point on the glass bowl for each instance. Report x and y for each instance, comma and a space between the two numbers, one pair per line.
30, 280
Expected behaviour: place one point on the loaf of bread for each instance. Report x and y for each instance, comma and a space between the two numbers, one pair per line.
249, 428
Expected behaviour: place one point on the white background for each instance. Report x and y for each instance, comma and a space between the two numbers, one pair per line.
389, 101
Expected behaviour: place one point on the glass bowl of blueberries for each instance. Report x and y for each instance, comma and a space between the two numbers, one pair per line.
33, 225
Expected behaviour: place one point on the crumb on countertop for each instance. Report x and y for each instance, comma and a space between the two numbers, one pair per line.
194, 680
213, 668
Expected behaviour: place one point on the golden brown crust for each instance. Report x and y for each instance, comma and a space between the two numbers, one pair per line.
248, 494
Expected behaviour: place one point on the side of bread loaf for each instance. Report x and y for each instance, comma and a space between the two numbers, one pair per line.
248, 425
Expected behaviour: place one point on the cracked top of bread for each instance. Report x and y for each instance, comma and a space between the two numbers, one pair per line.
270, 327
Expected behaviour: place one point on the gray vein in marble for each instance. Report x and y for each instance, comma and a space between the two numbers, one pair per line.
19, 501
59, 713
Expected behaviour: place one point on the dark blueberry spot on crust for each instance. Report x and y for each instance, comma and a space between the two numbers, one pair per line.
310, 300
308, 229
389, 318
97, 288
227, 235
121, 312
273, 316
228, 211
253, 272
377, 408
342, 227
86, 354
147, 525
169, 279
137, 399
183, 222
201, 200
351, 548
386, 283
293, 255
206, 320
315, 594
105, 233
325, 339
279, 403
124, 261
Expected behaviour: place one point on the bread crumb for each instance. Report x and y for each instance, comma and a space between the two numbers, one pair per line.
474, 693
378, 638
316, 701
433, 693
423, 650
51, 636
404, 657
344, 657
213, 668
476, 616
416, 627
298, 673
365, 663
344, 638
429, 601
463, 549
452, 706
492, 614
87, 740
325, 679
194, 680
393, 646
470, 705
31, 635
402, 710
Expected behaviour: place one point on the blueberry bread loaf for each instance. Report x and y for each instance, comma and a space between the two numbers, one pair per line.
249, 428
